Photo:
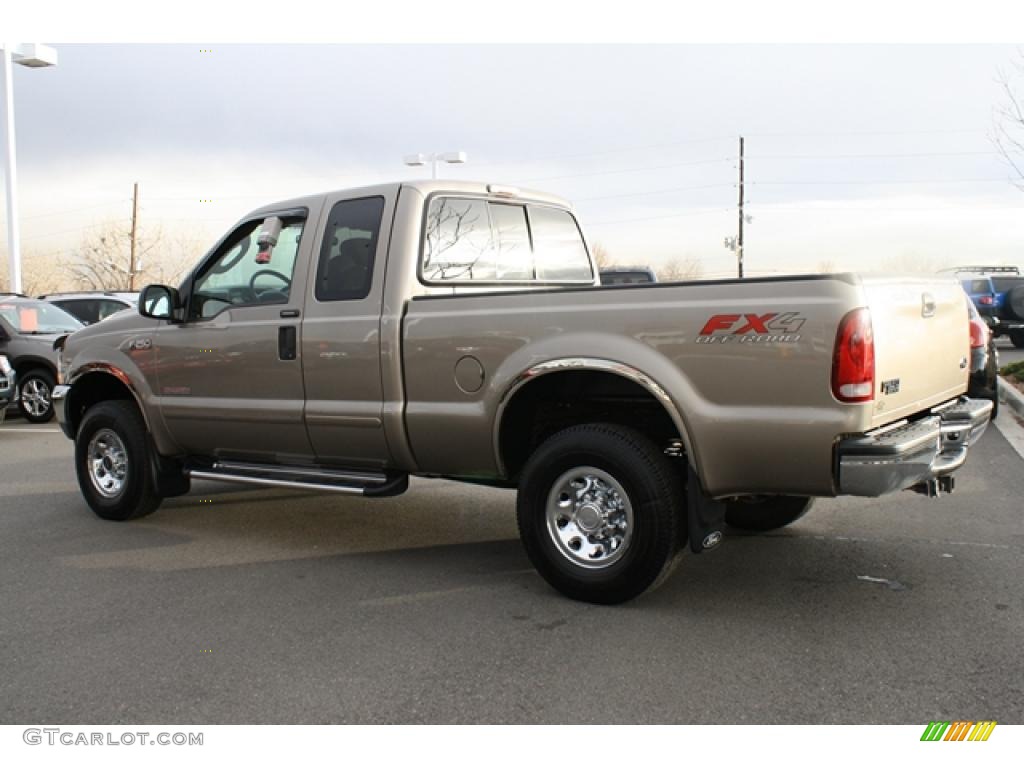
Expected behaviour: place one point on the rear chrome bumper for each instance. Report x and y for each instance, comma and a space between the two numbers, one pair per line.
919, 455
59, 400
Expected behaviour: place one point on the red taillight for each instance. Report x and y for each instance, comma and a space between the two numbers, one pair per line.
979, 334
853, 362
988, 301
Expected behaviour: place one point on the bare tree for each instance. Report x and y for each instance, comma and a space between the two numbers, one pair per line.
826, 266
678, 269
172, 259
913, 262
41, 273
447, 227
1009, 122
102, 261
600, 255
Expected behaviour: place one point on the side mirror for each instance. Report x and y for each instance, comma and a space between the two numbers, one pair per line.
159, 302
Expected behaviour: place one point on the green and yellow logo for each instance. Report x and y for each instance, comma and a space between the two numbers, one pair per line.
959, 730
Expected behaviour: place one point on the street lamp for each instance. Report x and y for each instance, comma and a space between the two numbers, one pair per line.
28, 55
455, 158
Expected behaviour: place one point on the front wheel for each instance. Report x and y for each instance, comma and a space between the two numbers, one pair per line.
600, 513
112, 462
34, 396
766, 513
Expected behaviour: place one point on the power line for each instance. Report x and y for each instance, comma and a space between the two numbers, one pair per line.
652, 192
872, 155
64, 232
702, 212
644, 148
73, 210
936, 131
884, 181
769, 208
629, 170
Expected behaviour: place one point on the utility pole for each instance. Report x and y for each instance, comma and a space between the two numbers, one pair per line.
739, 241
135, 224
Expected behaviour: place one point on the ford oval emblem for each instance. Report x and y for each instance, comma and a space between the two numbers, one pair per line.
712, 540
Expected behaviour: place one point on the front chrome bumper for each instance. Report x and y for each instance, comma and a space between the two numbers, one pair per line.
58, 397
919, 455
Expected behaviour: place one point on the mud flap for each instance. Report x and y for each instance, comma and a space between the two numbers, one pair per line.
705, 516
168, 478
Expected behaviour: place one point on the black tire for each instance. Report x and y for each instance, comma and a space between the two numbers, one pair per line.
39, 383
136, 495
652, 488
1013, 302
766, 513
1017, 337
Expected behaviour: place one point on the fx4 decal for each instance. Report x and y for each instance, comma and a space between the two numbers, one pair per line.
769, 328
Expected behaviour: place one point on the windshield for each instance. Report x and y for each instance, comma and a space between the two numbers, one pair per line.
38, 317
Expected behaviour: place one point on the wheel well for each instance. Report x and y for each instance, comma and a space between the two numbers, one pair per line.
91, 389
25, 365
555, 401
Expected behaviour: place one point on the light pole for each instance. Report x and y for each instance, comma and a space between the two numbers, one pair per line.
28, 55
455, 158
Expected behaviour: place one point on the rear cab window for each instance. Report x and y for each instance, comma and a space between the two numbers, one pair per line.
479, 241
345, 268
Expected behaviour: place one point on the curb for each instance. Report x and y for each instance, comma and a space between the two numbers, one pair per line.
1010, 395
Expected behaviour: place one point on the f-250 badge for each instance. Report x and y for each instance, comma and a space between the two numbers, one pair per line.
769, 328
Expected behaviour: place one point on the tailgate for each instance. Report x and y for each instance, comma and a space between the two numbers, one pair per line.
922, 343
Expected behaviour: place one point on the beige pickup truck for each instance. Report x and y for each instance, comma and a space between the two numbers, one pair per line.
344, 341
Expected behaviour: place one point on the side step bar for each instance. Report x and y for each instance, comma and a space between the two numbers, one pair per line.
355, 483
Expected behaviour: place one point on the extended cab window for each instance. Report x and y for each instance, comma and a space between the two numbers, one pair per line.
241, 274
345, 270
472, 240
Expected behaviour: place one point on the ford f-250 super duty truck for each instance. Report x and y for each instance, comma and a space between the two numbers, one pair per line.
344, 341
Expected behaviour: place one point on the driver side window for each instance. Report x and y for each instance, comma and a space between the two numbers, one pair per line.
241, 276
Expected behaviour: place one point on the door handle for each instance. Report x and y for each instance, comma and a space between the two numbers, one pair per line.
289, 313
286, 342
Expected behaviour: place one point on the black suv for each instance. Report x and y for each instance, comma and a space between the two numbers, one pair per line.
28, 328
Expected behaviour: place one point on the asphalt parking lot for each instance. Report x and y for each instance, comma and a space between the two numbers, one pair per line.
246, 606
1008, 353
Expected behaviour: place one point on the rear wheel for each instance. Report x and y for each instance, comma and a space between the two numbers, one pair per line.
112, 462
600, 512
1017, 337
766, 513
34, 392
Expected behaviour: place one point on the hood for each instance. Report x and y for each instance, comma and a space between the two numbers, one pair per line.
112, 330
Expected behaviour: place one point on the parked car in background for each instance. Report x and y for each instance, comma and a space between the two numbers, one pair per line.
998, 294
627, 275
28, 328
982, 293
90, 306
1009, 304
7, 381
984, 380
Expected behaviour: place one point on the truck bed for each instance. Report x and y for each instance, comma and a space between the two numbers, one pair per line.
747, 363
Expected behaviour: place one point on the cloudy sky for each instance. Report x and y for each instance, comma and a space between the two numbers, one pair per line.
860, 157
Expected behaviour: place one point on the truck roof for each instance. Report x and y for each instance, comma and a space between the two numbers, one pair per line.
424, 187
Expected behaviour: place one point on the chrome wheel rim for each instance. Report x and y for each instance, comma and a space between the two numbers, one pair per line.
589, 517
107, 463
35, 397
